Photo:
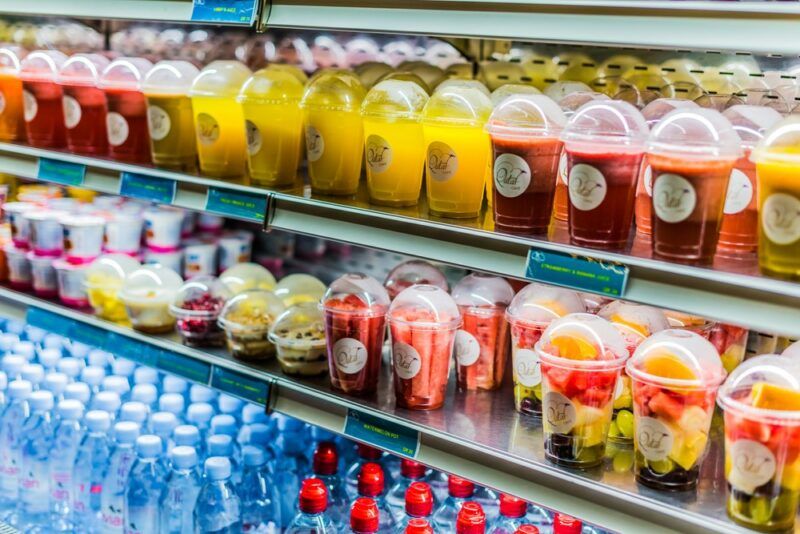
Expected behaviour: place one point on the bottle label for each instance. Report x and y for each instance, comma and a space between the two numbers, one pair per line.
558, 410
653, 439
527, 367
117, 129
648, 180
752, 465
10, 462
72, 112
158, 122
587, 187
512, 175
780, 218
142, 520
740, 193
442, 161
30, 106
34, 487
60, 485
562, 168
350, 355
315, 144
674, 198
378, 153
207, 129
253, 138
112, 519
467, 348
407, 362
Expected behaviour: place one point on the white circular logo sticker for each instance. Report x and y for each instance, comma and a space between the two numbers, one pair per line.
527, 368
30, 106
72, 112
674, 198
559, 412
587, 187
253, 138
350, 355
467, 348
2, 102
562, 167
315, 144
740, 193
648, 180
512, 175
158, 122
207, 129
442, 161
378, 153
780, 218
407, 362
752, 465
653, 439
117, 129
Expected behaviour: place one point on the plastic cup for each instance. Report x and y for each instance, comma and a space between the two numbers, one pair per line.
270, 101
371, 72
199, 258
169, 114
218, 119
197, 307
162, 228
731, 343
172, 259
411, 273
529, 314
83, 237
246, 319
234, 247
206, 223
604, 144
299, 288
126, 121
19, 268
147, 294
581, 357
43, 276
355, 308
394, 151
20, 228
104, 278
482, 343
512, 89
84, 104
46, 232
299, 337
123, 233
12, 115
71, 288
41, 99
423, 321
331, 105
691, 154
245, 276
524, 130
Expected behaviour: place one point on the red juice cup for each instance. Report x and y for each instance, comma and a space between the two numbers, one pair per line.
674, 375
412, 273
355, 307
84, 104
41, 99
529, 314
761, 400
524, 130
12, 119
423, 321
481, 346
581, 357
692, 154
126, 121
604, 143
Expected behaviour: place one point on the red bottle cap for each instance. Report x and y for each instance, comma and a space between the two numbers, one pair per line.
460, 487
566, 524
418, 526
471, 519
370, 480
419, 499
364, 516
368, 453
511, 506
526, 529
313, 496
326, 459
412, 469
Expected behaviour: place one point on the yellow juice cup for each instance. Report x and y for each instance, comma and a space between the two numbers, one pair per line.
218, 119
270, 101
394, 150
12, 121
457, 151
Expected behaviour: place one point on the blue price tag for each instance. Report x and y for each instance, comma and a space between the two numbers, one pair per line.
90, 335
52, 322
237, 204
184, 366
132, 349
225, 11
61, 172
161, 190
381, 433
577, 272
240, 385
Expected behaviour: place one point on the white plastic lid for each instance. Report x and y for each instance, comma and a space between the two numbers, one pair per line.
108, 401
170, 77
677, 358
123, 367
126, 432
78, 391
600, 124
92, 375
781, 143
148, 446
583, 341
425, 307
13, 363
144, 393
174, 384
512, 89
198, 393
163, 423
117, 384
19, 389
298, 288
253, 456
395, 99
635, 322
70, 409
253, 413
42, 65
11, 59
41, 401
220, 445
479, 291
260, 434
304, 320
24, 348
56, 383
49, 357
151, 283
186, 435
244, 276
765, 388
171, 402
695, 133
660, 107
200, 413
144, 375
229, 404
458, 106
70, 366
527, 116
32, 372
413, 272
356, 294
201, 297
98, 358
334, 90
254, 310
133, 411
183, 457
539, 304
221, 79
751, 122
223, 424
97, 421
82, 69
218, 468
78, 350
126, 73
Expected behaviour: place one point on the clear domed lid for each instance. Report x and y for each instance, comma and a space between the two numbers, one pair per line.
82, 69
294, 70
527, 115
593, 302
574, 101
255, 309
792, 351
557, 91
42, 65
370, 72
202, 296
469, 84
781, 143
603, 123
766, 387
635, 322
425, 306
300, 327
750, 122
458, 106
170, 77
430, 74
406, 76
677, 358
221, 78
395, 99
660, 107
299, 288
151, 283
540, 304
413, 272
512, 89
686, 321
125, 73
582, 340
482, 291
357, 294
335, 90
245, 276
695, 133
109, 271
11, 59
272, 86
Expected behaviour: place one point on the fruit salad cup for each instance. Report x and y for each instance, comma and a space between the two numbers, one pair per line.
731, 343
529, 314
246, 319
675, 375
299, 336
355, 308
481, 346
104, 279
147, 294
196, 308
423, 321
761, 400
299, 289
581, 356
413, 272
693, 323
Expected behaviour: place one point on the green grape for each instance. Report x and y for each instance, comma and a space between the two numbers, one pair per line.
662, 467
613, 430
623, 461
537, 390
625, 423
761, 510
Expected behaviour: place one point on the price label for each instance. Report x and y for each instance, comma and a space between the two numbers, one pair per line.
381, 433
161, 190
246, 206
189, 368
90, 335
240, 385
52, 322
225, 11
582, 273
61, 172
132, 349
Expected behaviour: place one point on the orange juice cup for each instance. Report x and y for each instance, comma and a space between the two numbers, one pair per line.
12, 117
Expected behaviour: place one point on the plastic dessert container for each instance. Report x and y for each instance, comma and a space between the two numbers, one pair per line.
245, 276
299, 288
246, 319
147, 294
104, 279
197, 306
299, 337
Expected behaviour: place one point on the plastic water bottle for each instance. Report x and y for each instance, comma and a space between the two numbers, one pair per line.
55, 383
200, 414
325, 466
225, 424
112, 501
145, 375
218, 508
123, 367
251, 414
25, 348
78, 350
163, 424
78, 391
173, 403
180, 493
222, 445
34, 481
49, 357
364, 516
311, 517
198, 393
71, 367
107, 401
365, 454
410, 471
260, 507
147, 394
230, 405
289, 468
12, 365
3, 387
7, 341
459, 491
256, 434
67, 439
418, 504
175, 384
11, 421
471, 519
511, 517
90, 466
99, 358
134, 411
371, 484
439, 482
189, 436
117, 384
146, 482
33, 373
489, 501
93, 376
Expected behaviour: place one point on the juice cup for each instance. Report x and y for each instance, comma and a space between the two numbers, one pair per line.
41, 99
12, 114
762, 442
458, 151
394, 150
126, 121
331, 105
581, 357
691, 153
170, 119
103, 281
526, 147
411, 273
196, 308
84, 104
481, 345
218, 119
423, 321
529, 314
674, 376
270, 100
355, 308
604, 144
147, 294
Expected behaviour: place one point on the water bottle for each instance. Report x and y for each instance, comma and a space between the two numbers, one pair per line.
175, 384
67, 439
49, 358
511, 517
289, 467
112, 501
226, 425
117, 384
222, 445
78, 391
459, 491
90, 466
53, 341
180, 493
3, 387
107, 401
7, 341
163, 424
371, 484
123, 367
251, 414
260, 506
25, 348
199, 414
365, 454
439, 482
172, 403
71, 367
147, 394
311, 517
12, 365
78, 350
33, 373
34, 482
364, 516
417, 526
134, 411
55, 383
11, 421
256, 434
489, 501
99, 358
325, 466
218, 509
198, 393
230, 405
145, 375
146, 482
471, 519
93, 377
410, 471
189, 436
418, 504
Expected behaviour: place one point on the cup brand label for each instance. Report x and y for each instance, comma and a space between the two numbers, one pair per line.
407, 362
315, 144
653, 439
158, 122
752, 465
72, 112
527, 368
780, 218
207, 129
559, 412
253, 138
467, 348
117, 128
442, 161
350, 355
30, 106
740, 193
378, 153
512, 175
587, 187
674, 198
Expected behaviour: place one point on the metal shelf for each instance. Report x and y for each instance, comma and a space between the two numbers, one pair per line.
154, 10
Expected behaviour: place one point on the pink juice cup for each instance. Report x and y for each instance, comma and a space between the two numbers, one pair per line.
126, 122
84, 104
41, 98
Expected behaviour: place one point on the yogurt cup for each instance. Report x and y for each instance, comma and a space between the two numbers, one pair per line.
20, 228
46, 233
209, 224
171, 259
19, 268
200, 258
234, 248
71, 288
188, 224
162, 229
124, 233
43, 275
83, 237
